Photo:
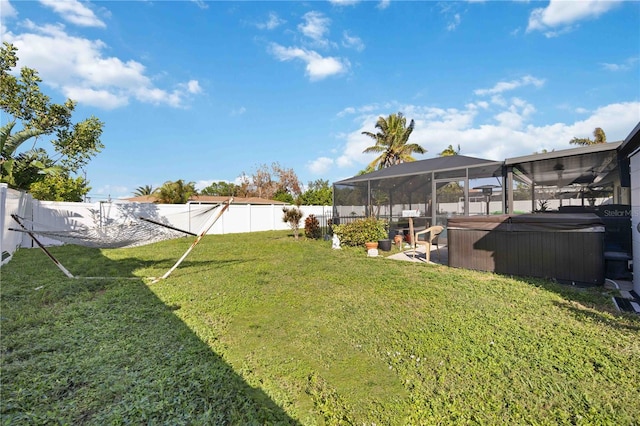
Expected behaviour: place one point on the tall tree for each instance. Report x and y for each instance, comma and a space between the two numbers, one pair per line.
30, 114
177, 192
598, 137
143, 190
392, 142
269, 182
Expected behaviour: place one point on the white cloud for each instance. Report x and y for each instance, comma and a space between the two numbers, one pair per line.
7, 9
272, 22
238, 111
344, 2
506, 134
317, 66
202, 4
320, 165
563, 14
100, 98
510, 119
383, 4
353, 42
193, 87
346, 111
625, 66
352, 153
454, 23
78, 68
315, 26
505, 86
112, 192
74, 12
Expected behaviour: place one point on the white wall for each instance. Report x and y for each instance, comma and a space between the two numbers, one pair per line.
11, 202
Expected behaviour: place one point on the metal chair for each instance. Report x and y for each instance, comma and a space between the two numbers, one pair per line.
431, 237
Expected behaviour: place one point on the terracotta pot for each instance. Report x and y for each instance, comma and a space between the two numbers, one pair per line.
371, 245
398, 239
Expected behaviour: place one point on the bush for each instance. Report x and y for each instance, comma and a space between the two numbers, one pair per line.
292, 216
362, 231
312, 227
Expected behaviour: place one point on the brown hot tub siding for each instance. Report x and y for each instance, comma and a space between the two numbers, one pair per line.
565, 247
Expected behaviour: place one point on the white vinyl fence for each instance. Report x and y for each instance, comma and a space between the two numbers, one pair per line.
50, 215
11, 202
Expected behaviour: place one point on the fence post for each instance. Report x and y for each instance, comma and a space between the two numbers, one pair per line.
3, 212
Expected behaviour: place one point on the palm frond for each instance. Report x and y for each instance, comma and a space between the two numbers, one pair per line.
14, 141
5, 131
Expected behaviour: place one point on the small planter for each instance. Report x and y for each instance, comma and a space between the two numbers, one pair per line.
371, 245
384, 245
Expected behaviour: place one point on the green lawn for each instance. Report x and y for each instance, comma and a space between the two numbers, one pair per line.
261, 329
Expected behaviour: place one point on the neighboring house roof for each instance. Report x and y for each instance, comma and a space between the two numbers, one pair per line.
209, 199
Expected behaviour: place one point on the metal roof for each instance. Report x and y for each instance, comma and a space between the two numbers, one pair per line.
632, 142
587, 165
419, 167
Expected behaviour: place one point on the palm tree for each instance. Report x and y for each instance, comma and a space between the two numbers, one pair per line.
598, 137
391, 142
177, 192
449, 151
143, 190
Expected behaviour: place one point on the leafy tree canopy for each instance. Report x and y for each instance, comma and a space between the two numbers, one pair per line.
222, 188
30, 114
318, 193
60, 188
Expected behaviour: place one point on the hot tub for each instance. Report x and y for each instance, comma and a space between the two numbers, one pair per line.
562, 246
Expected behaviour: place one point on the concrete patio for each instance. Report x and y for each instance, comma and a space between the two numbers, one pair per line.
407, 254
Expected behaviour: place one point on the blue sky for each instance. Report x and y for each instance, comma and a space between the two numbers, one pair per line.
204, 91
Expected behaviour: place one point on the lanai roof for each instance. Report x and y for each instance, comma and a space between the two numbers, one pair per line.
583, 165
418, 167
587, 165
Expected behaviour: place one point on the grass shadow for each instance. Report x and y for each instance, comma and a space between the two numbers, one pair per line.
110, 352
623, 321
587, 302
83, 262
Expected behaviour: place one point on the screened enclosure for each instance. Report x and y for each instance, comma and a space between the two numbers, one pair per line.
444, 187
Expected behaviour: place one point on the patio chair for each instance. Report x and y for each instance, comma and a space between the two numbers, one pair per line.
431, 237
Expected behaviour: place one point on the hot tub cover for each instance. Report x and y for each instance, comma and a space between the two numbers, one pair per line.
542, 222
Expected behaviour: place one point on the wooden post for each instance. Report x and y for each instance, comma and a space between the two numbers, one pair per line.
206, 228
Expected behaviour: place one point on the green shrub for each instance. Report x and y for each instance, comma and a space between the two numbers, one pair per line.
361, 231
292, 216
312, 227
